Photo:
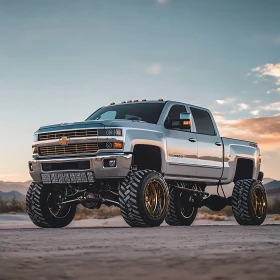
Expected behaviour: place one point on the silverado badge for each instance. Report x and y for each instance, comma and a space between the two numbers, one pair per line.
64, 141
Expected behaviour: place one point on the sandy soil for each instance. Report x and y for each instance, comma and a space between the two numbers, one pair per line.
111, 251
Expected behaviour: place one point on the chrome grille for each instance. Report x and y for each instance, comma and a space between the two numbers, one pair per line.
69, 149
68, 134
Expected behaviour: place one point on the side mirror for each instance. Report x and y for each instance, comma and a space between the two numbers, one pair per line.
183, 123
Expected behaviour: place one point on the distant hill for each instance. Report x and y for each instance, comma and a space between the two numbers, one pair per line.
267, 180
11, 195
273, 188
20, 187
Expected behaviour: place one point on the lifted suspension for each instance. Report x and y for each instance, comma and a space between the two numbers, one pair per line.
98, 201
190, 190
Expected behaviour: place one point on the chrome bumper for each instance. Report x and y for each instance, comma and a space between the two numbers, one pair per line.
96, 166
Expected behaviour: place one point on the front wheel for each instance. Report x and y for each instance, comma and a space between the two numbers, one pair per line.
144, 199
43, 205
249, 202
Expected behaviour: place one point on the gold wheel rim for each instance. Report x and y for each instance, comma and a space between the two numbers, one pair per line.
155, 198
259, 201
186, 213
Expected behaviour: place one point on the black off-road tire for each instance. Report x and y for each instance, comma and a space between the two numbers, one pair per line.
242, 202
174, 216
132, 199
38, 211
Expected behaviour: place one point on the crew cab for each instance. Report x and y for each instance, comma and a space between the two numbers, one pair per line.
153, 159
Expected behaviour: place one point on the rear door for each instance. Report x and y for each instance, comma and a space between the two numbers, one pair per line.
210, 146
181, 147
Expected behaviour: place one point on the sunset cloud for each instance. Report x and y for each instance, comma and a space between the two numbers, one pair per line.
269, 69
264, 131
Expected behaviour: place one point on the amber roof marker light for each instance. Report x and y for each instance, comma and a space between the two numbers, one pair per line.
160, 99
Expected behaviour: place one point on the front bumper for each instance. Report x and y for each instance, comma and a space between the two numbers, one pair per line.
123, 164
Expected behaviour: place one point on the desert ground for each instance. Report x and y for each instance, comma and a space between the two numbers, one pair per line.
108, 249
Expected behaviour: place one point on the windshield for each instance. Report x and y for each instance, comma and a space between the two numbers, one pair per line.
147, 112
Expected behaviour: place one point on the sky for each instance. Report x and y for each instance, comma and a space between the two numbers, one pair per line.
60, 60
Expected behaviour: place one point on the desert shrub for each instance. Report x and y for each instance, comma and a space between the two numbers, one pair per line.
12, 206
227, 211
214, 217
104, 212
16, 206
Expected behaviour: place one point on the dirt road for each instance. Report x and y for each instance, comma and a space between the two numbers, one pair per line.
197, 252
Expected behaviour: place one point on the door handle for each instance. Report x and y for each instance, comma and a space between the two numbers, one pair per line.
192, 140
218, 144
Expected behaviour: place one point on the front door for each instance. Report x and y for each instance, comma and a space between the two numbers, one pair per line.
181, 148
210, 146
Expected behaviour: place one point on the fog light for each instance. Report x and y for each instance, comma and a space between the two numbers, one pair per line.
110, 163
109, 145
118, 145
30, 166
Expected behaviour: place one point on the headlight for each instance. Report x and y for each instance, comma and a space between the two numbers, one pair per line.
110, 132
35, 137
34, 150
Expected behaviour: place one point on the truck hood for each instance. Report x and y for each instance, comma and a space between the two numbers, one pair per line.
94, 124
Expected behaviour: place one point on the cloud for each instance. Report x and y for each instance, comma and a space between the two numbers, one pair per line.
243, 106
161, 1
255, 112
158, 68
271, 107
225, 101
154, 69
256, 101
264, 131
269, 69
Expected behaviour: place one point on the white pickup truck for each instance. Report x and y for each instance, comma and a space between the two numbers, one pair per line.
153, 159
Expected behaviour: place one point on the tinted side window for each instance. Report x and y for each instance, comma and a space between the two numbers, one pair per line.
203, 122
175, 111
174, 114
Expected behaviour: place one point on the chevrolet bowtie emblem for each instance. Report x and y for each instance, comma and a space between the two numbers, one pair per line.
64, 141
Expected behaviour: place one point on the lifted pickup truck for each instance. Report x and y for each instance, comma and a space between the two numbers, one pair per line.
153, 159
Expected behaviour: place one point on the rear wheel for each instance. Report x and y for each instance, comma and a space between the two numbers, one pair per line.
249, 202
182, 209
43, 205
144, 199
